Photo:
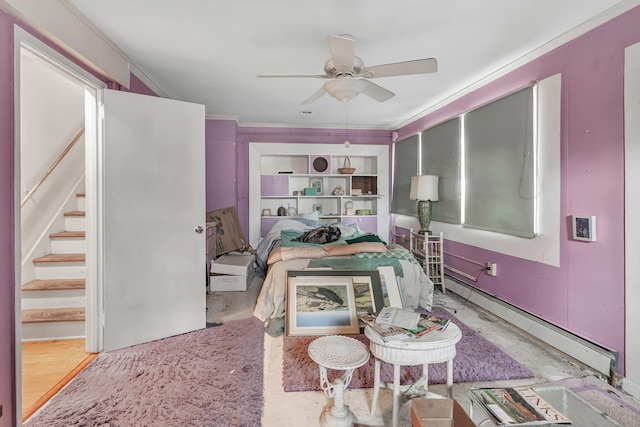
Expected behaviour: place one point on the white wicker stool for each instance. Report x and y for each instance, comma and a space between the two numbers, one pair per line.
344, 354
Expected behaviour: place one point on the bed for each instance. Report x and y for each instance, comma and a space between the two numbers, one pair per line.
281, 250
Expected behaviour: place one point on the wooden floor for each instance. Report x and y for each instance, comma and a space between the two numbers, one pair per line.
46, 367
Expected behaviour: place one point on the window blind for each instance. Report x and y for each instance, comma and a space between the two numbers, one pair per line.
499, 166
441, 156
405, 165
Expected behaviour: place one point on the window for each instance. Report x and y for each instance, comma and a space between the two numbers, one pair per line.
499, 166
405, 165
440, 147
486, 161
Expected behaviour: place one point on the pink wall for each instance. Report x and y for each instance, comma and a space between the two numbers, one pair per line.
589, 284
137, 86
221, 164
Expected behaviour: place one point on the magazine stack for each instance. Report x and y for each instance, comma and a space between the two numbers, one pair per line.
396, 324
517, 406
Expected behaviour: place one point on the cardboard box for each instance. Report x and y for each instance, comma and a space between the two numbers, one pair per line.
231, 272
229, 236
211, 241
439, 413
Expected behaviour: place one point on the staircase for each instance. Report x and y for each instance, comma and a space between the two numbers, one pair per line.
53, 305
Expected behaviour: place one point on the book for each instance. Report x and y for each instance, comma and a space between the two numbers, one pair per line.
385, 332
430, 322
517, 406
394, 316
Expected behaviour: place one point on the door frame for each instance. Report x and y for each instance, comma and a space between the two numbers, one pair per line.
93, 142
631, 382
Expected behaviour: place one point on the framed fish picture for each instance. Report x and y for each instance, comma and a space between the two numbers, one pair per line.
323, 302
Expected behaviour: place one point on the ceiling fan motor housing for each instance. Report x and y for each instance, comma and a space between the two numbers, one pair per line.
335, 70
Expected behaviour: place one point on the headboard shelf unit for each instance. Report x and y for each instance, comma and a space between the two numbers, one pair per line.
283, 163
286, 170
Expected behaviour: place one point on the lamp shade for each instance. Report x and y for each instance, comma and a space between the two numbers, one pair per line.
344, 89
424, 187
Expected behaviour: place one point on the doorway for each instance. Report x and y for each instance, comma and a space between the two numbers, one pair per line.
56, 114
145, 212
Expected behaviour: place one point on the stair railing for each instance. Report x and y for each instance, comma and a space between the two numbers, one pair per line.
52, 167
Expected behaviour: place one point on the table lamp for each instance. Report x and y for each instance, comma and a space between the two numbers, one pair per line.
424, 189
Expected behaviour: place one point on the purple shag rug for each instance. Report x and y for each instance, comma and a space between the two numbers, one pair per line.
209, 377
476, 359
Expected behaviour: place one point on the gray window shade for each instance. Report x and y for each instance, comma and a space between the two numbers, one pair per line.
499, 166
441, 157
405, 165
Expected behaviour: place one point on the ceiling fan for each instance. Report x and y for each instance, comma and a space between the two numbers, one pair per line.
348, 75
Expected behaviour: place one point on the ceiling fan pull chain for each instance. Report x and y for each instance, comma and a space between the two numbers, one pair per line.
346, 126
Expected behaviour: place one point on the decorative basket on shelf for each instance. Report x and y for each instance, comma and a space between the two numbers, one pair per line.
346, 169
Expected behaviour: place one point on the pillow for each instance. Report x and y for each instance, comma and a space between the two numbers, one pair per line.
339, 250
347, 230
366, 238
302, 252
311, 215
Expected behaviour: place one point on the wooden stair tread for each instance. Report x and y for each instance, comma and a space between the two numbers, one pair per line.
60, 258
67, 234
53, 284
75, 213
40, 315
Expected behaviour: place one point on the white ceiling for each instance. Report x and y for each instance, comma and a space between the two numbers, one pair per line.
210, 51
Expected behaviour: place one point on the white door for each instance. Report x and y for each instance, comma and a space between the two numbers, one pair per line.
153, 199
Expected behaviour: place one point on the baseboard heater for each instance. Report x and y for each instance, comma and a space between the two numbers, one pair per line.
596, 357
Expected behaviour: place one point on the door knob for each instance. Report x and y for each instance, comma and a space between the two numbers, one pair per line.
199, 229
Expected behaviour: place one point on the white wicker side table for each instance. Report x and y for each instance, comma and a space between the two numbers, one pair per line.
344, 354
434, 347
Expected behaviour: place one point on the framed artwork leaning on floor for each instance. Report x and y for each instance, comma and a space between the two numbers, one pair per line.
318, 305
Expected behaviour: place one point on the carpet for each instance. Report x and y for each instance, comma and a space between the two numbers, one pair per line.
476, 359
209, 377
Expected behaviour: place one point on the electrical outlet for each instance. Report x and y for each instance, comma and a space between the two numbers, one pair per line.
492, 269
403, 238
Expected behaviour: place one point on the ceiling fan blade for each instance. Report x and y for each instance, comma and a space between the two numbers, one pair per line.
342, 51
376, 92
278, 76
418, 66
313, 97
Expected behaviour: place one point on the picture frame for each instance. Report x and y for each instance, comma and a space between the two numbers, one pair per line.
391, 294
367, 290
584, 227
318, 305
316, 183
318, 208
366, 285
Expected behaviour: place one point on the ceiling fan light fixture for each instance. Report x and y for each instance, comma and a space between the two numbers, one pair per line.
344, 89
